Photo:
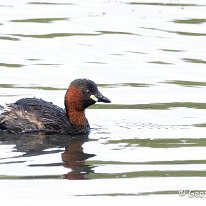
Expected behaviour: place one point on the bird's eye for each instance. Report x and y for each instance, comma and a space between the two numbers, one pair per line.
87, 91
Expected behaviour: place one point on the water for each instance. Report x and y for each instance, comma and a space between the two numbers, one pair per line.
148, 57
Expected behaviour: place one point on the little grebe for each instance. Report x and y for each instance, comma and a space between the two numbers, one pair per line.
32, 114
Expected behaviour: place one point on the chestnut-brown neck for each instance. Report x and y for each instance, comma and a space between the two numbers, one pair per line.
74, 106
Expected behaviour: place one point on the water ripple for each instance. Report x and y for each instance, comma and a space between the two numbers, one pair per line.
39, 20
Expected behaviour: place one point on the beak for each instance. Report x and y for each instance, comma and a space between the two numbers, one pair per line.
100, 98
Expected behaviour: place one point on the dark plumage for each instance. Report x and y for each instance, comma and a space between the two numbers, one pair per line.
32, 114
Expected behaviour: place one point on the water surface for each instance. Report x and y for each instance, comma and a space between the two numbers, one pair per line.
148, 57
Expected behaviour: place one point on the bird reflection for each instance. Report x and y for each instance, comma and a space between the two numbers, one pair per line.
74, 158
71, 148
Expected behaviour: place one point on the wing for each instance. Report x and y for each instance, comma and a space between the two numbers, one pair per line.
33, 114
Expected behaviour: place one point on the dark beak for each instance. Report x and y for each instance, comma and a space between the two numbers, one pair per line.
102, 98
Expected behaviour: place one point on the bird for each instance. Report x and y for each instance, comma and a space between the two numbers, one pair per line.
28, 115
